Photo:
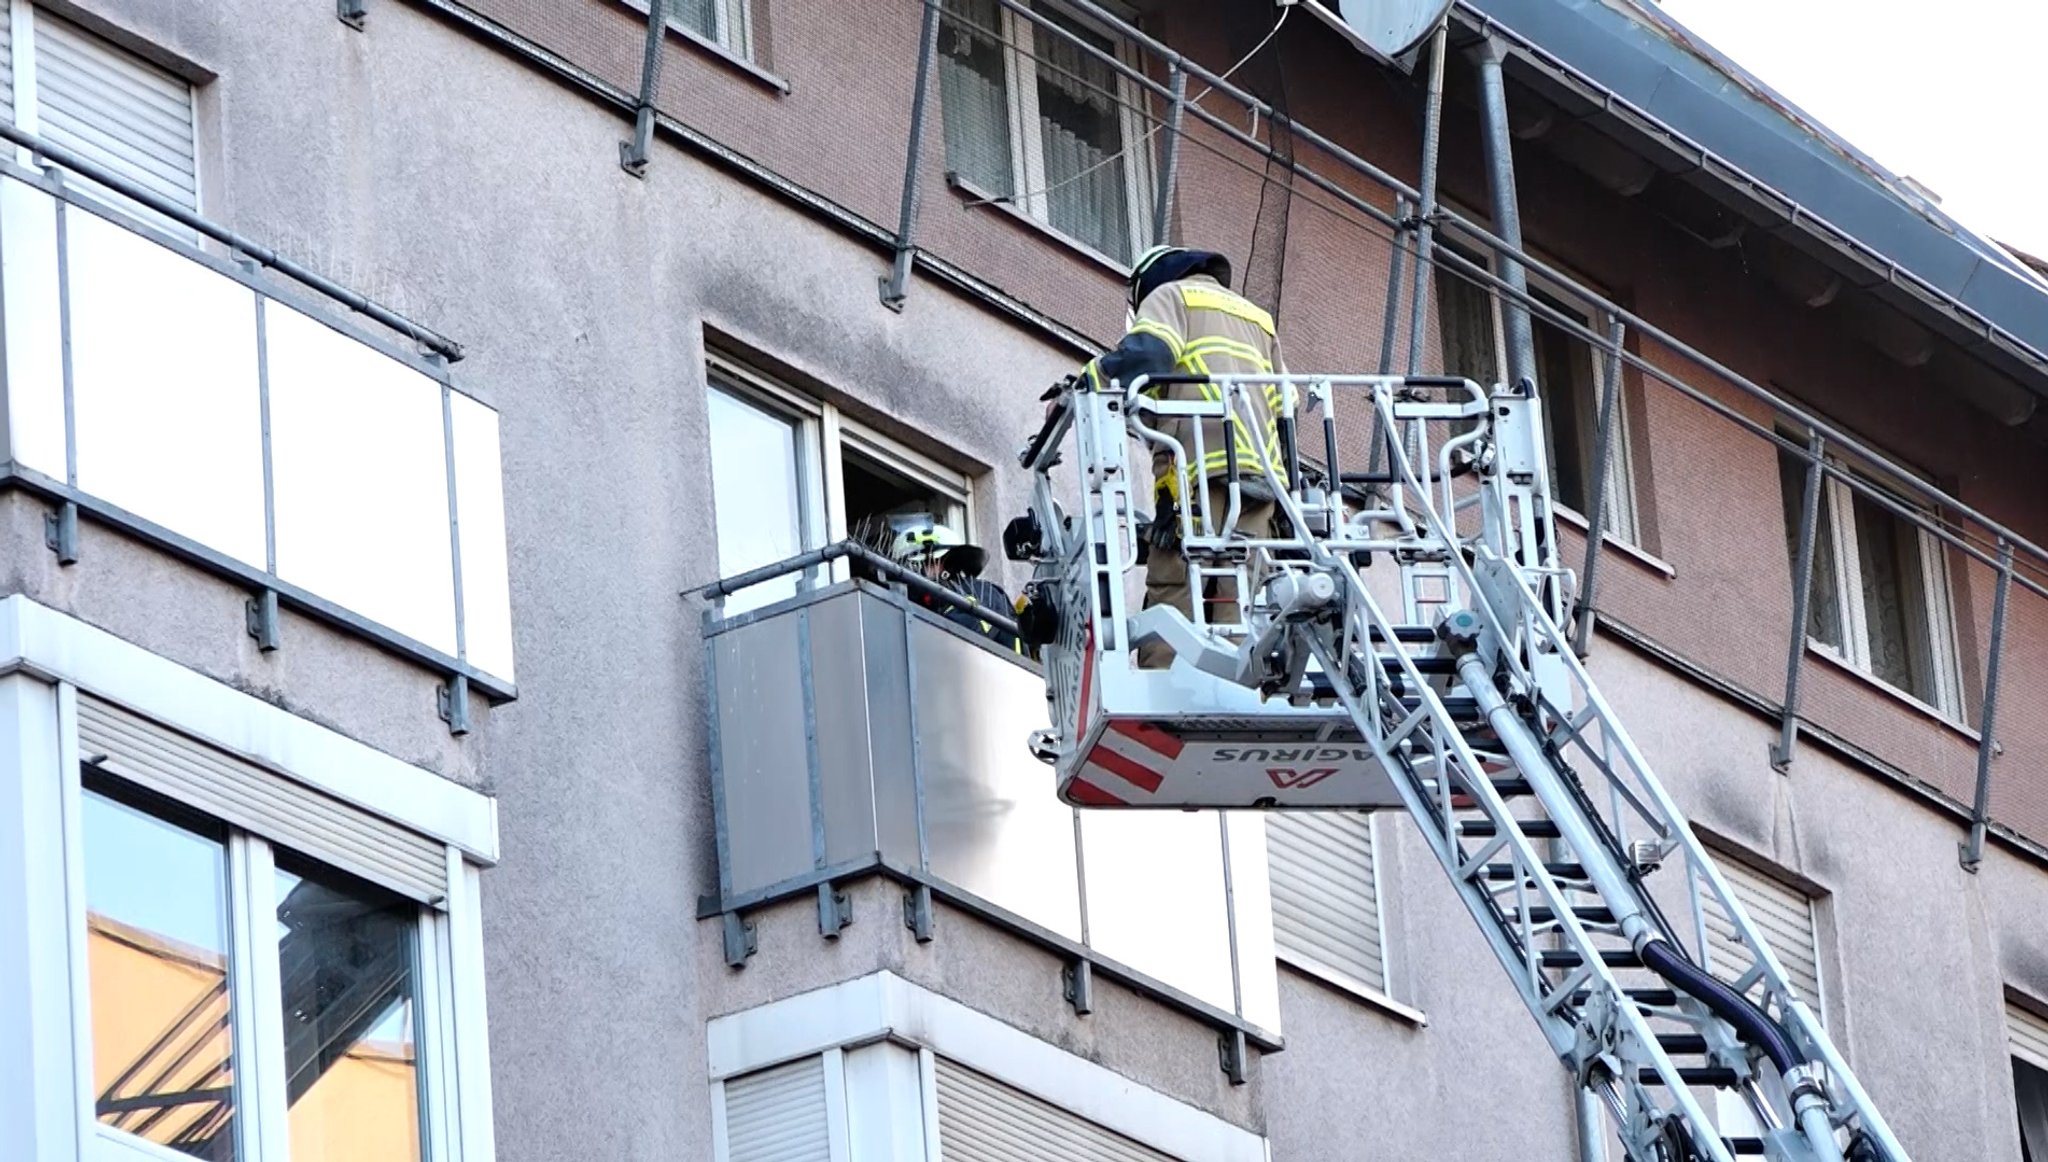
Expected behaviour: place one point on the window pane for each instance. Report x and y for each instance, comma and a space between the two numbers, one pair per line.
1564, 381
757, 492
2030, 1089
347, 968
1894, 599
973, 96
1080, 128
156, 902
722, 21
1824, 604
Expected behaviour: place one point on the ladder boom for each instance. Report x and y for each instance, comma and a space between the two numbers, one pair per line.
1469, 710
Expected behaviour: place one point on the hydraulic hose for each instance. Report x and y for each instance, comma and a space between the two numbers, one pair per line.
1752, 1022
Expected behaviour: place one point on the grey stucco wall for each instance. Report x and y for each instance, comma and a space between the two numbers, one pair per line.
456, 183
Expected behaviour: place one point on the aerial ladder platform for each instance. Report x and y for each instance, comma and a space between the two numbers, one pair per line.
1400, 645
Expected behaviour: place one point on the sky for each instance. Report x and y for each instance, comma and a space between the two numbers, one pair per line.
1950, 93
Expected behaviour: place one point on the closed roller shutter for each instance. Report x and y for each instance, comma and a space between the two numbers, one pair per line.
983, 1120
6, 60
257, 800
778, 1115
115, 108
1784, 915
1326, 904
2028, 1034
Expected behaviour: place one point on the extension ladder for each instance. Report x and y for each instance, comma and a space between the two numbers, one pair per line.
1470, 710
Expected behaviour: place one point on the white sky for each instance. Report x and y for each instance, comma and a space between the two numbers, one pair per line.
1952, 93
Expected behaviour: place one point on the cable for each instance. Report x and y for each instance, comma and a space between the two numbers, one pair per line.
1148, 135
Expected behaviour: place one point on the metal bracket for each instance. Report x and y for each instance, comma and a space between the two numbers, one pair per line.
1077, 980
1233, 1054
263, 620
351, 12
60, 532
633, 154
917, 912
453, 700
741, 940
835, 910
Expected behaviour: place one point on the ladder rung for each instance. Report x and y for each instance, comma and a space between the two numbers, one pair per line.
1505, 872
1682, 1043
1543, 914
1460, 709
1712, 1075
1414, 635
1751, 1146
1652, 997
1435, 664
1485, 829
1611, 957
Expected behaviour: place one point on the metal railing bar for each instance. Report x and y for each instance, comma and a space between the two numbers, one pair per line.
854, 550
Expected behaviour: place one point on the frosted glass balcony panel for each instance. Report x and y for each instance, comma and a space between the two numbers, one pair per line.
34, 383
359, 466
480, 511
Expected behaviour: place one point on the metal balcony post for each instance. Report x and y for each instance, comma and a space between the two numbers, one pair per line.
1169, 159
1980, 809
1507, 216
633, 154
896, 287
1802, 597
1596, 518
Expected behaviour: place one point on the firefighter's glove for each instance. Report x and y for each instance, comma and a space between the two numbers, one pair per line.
1164, 531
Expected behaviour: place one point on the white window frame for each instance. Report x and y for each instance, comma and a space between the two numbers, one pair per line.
1622, 515
1027, 150
727, 17
1380, 996
1937, 614
51, 658
882, 1014
27, 117
824, 436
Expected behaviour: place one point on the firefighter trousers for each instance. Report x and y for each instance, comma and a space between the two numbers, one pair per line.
1166, 572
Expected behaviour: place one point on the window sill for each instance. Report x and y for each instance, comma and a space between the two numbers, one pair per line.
1369, 997
973, 196
1648, 560
1941, 717
718, 52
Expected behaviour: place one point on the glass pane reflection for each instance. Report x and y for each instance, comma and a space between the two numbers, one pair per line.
346, 962
161, 982
360, 476
164, 387
756, 495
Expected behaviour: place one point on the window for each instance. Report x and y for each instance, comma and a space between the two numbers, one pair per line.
84, 93
791, 473
1784, 915
1033, 117
2027, 1035
980, 1117
726, 23
1879, 598
1567, 378
1326, 897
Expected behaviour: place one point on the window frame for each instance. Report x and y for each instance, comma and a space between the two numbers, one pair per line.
65, 659
725, 16
26, 115
1029, 194
1936, 615
825, 435
1622, 510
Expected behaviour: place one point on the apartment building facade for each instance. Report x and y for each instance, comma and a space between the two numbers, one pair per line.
387, 381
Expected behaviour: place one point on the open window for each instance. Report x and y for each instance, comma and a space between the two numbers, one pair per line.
2027, 1035
792, 473
1568, 380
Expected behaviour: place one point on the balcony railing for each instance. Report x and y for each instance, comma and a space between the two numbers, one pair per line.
855, 734
176, 395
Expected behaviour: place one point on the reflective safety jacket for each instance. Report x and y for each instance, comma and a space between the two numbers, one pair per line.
1196, 326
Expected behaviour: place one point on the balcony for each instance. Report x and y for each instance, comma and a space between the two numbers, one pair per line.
157, 388
855, 734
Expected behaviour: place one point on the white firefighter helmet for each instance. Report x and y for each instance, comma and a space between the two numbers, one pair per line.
921, 539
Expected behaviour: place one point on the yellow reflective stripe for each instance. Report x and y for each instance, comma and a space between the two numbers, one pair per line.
1218, 345
1203, 298
1164, 333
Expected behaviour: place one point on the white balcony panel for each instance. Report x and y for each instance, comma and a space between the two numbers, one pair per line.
1155, 897
359, 465
480, 513
35, 341
165, 387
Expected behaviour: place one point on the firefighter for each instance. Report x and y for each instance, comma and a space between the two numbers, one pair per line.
931, 549
1186, 320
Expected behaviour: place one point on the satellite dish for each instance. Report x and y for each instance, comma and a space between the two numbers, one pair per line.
1387, 29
